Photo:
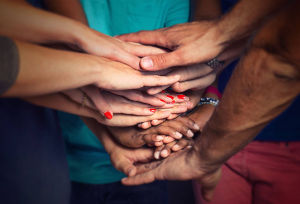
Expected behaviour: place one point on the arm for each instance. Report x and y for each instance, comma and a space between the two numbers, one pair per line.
69, 8
207, 39
21, 21
262, 86
207, 9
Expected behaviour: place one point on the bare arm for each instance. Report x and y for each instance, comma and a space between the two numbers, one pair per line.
263, 85
207, 9
22, 21
44, 70
69, 8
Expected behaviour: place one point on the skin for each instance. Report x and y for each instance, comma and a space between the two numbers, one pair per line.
40, 67
207, 38
267, 72
44, 27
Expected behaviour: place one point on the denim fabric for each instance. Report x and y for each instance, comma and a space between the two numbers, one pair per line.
116, 193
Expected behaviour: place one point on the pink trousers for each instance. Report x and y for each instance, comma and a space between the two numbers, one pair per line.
262, 173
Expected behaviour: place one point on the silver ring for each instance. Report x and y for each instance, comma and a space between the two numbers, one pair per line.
215, 64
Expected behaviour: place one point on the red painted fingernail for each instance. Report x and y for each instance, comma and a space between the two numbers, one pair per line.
162, 100
108, 115
171, 97
181, 96
173, 102
152, 110
163, 91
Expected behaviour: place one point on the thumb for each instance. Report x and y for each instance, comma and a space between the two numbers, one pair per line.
126, 166
161, 61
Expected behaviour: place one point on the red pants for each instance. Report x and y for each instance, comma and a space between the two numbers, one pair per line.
261, 173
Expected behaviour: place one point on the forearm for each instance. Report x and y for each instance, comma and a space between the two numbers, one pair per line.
60, 102
22, 21
44, 70
246, 17
69, 8
263, 85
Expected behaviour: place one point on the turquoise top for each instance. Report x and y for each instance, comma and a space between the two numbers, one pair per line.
88, 161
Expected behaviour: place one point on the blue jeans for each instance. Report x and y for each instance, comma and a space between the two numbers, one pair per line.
116, 193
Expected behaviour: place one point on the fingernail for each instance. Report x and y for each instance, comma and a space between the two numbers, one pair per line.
155, 121
178, 135
164, 153
159, 137
163, 100
147, 62
190, 133
173, 102
175, 147
163, 91
108, 115
156, 155
196, 127
181, 96
171, 97
152, 110
130, 172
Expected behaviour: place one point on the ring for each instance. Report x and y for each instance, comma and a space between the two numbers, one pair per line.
215, 64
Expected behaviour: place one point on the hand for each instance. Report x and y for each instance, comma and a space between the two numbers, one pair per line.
190, 43
99, 44
163, 100
92, 97
122, 158
182, 165
132, 137
194, 98
117, 76
193, 77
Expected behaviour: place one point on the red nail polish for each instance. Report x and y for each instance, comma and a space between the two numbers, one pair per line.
152, 110
108, 115
173, 102
181, 96
171, 97
163, 91
162, 100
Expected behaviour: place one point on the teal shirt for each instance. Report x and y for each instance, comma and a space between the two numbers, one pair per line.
88, 161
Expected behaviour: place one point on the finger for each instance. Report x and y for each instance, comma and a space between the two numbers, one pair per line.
139, 179
173, 116
99, 101
145, 37
181, 144
142, 50
157, 151
168, 139
179, 109
172, 98
156, 90
192, 71
162, 61
132, 109
145, 125
199, 83
156, 122
167, 130
155, 80
181, 127
125, 57
151, 138
167, 149
140, 97
191, 124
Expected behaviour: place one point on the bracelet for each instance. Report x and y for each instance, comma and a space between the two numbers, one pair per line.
207, 100
214, 90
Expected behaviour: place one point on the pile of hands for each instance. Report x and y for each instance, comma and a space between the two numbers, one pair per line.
142, 103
